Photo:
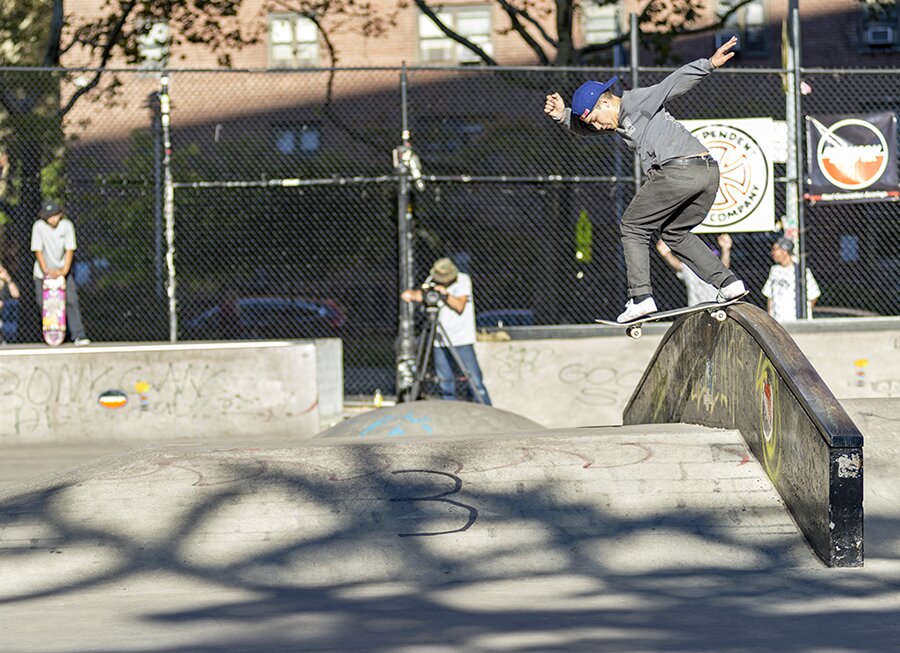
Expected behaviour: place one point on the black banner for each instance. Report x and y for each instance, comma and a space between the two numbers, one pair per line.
852, 158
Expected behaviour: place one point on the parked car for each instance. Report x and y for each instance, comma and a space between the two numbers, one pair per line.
504, 317
268, 318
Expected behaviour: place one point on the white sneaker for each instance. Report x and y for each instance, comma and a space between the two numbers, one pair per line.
81, 342
634, 311
731, 291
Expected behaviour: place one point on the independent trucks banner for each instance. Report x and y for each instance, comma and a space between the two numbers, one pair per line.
852, 158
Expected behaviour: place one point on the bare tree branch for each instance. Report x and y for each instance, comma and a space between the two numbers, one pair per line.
105, 55
466, 43
512, 12
722, 19
522, 13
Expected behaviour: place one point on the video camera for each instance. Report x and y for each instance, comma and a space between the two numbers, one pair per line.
430, 297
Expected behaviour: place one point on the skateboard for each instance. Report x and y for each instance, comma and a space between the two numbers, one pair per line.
715, 309
53, 314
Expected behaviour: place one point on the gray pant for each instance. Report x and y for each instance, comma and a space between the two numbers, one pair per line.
73, 313
673, 200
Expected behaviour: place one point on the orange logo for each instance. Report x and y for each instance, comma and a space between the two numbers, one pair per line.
844, 160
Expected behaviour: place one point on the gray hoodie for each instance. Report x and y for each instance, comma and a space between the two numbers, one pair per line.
644, 123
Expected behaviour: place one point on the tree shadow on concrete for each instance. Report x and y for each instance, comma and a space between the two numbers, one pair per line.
373, 548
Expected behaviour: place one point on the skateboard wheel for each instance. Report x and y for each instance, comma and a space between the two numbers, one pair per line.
634, 332
719, 315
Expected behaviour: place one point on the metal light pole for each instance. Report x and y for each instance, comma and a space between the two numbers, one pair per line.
798, 153
168, 202
405, 347
633, 40
793, 209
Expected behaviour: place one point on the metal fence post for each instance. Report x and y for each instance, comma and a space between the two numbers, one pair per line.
798, 152
168, 201
158, 149
635, 62
406, 344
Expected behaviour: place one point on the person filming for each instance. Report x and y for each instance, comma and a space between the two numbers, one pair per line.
450, 292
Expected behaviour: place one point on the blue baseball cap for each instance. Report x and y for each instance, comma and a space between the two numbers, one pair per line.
584, 99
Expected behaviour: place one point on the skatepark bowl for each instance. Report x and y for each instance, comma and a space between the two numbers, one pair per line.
725, 514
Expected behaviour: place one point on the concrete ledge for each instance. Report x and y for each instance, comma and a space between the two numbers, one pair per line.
748, 374
165, 391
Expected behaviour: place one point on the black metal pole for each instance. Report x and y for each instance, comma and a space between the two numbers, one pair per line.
635, 62
798, 151
405, 347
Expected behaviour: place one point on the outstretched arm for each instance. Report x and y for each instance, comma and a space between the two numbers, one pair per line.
684, 79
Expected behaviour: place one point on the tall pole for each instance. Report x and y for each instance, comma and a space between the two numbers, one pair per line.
157, 195
793, 216
798, 162
406, 342
168, 202
634, 44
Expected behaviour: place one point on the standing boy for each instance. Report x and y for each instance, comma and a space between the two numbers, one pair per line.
780, 288
682, 177
53, 244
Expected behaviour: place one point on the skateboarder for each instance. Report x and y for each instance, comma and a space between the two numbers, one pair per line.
682, 177
53, 244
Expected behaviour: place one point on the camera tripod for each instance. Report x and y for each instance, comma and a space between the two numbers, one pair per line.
426, 342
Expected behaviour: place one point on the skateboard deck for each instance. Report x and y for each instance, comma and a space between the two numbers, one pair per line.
53, 313
633, 327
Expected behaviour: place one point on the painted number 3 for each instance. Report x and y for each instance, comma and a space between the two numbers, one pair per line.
441, 498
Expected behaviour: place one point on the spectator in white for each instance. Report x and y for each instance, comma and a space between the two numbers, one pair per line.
457, 317
53, 244
698, 291
781, 286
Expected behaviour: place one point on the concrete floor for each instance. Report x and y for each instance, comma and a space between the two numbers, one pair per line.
662, 538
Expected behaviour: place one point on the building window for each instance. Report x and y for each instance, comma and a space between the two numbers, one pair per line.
153, 45
293, 41
601, 23
298, 140
473, 23
879, 25
749, 25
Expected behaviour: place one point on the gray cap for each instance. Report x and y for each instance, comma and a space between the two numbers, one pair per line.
786, 244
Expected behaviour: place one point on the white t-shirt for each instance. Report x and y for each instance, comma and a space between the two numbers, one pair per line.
53, 243
459, 327
698, 291
780, 288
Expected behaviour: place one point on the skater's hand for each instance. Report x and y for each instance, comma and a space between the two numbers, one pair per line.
4, 275
54, 274
554, 105
722, 55
724, 241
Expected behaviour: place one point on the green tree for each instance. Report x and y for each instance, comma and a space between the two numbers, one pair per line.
36, 33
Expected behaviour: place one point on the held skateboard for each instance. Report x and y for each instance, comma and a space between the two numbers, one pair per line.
53, 312
633, 327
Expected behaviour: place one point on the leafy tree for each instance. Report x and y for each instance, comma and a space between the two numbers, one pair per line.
34, 103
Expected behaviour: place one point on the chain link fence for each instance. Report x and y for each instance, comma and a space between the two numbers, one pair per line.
286, 200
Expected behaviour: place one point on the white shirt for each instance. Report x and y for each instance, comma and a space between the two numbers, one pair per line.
459, 327
53, 243
780, 288
698, 291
